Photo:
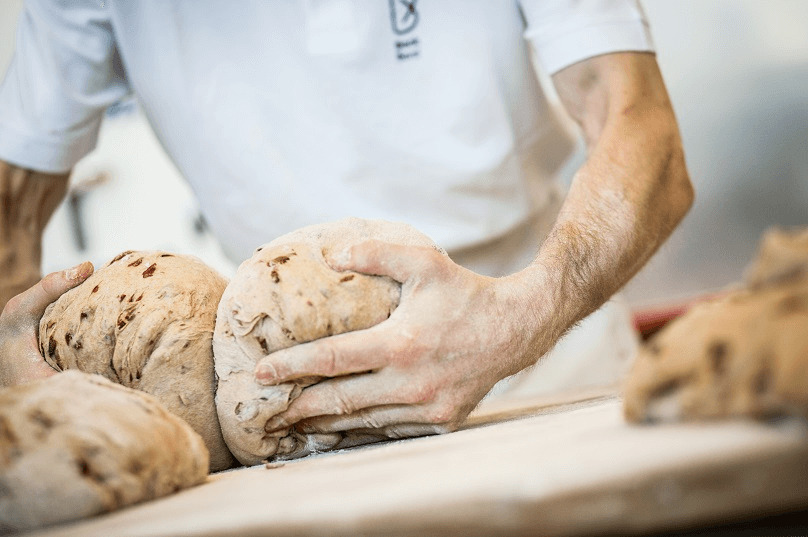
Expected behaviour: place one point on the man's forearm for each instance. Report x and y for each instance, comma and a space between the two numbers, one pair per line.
27, 201
623, 204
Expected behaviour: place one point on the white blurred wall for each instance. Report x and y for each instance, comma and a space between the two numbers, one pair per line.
737, 71
8, 23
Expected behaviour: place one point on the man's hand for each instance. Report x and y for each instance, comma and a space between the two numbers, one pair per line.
452, 337
20, 360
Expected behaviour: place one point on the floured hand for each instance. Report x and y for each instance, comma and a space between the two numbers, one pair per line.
20, 359
452, 337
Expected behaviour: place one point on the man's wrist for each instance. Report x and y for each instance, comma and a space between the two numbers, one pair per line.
21, 269
30, 199
539, 318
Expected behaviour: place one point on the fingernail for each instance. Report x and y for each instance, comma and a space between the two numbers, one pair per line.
265, 374
79, 272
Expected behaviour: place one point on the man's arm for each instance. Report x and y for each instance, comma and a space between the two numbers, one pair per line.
27, 201
455, 333
629, 195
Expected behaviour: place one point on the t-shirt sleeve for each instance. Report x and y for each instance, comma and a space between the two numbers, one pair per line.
65, 72
564, 32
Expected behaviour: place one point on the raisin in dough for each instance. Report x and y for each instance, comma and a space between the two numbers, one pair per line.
145, 321
745, 354
284, 295
75, 445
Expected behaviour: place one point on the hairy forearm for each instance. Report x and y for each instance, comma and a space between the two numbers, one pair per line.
27, 201
623, 204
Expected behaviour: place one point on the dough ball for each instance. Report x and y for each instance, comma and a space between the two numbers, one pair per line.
782, 255
76, 445
745, 354
287, 294
145, 321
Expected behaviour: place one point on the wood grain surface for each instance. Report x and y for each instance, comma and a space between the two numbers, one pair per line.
539, 466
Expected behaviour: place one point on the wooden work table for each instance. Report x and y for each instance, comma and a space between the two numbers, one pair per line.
543, 467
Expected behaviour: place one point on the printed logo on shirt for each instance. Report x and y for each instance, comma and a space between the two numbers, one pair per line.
404, 18
403, 15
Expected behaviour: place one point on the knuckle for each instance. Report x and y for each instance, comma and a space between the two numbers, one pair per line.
406, 336
399, 348
396, 432
435, 258
371, 422
423, 393
275, 423
441, 414
342, 404
306, 426
330, 359
435, 262
410, 346
50, 284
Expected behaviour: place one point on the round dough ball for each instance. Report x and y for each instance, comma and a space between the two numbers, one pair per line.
745, 354
287, 294
75, 445
145, 321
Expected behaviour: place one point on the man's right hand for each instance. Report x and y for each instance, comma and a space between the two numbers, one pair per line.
20, 359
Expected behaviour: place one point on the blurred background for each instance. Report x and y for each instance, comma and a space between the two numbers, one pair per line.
737, 71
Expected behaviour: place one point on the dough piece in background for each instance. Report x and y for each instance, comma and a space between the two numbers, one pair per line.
76, 445
745, 354
782, 255
145, 321
287, 294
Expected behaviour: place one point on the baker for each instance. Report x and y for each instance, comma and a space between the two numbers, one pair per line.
284, 114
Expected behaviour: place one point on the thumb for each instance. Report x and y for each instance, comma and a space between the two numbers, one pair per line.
32, 303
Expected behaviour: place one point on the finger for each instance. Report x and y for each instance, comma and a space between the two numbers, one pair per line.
407, 430
371, 419
384, 259
343, 354
32, 303
344, 396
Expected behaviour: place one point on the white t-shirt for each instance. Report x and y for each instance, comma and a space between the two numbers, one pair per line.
284, 114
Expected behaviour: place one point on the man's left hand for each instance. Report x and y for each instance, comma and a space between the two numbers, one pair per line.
20, 359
